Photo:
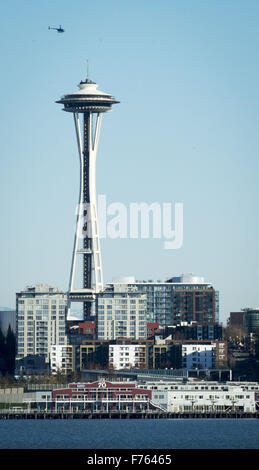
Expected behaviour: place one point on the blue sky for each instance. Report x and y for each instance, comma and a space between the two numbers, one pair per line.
186, 130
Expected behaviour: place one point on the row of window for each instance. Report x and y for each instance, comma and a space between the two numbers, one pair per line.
102, 301
140, 314
212, 397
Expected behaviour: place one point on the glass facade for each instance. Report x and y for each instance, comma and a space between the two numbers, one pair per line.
125, 309
171, 304
251, 319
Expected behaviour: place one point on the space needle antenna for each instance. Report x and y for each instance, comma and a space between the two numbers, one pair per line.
87, 69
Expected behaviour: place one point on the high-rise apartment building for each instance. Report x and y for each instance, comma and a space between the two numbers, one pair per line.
181, 299
40, 320
121, 313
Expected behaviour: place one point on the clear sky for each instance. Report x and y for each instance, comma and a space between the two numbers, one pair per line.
186, 73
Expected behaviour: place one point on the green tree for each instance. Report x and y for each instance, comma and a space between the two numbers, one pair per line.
3, 366
257, 343
10, 351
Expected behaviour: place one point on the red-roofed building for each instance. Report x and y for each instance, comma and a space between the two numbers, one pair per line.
102, 396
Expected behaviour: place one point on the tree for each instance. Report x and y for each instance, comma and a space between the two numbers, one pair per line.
10, 351
257, 343
234, 332
2, 354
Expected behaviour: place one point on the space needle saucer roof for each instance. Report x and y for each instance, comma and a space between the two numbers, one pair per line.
87, 99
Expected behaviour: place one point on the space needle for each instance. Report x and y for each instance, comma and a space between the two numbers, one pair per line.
87, 105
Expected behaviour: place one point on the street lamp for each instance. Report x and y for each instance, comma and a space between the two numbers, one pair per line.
233, 404
192, 402
213, 401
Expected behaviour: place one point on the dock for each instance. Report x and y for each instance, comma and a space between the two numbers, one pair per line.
37, 414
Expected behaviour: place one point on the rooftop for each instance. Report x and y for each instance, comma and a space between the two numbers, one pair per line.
88, 97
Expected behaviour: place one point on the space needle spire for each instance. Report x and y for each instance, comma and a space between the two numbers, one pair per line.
87, 105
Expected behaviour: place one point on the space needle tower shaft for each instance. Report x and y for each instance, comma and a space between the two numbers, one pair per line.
87, 105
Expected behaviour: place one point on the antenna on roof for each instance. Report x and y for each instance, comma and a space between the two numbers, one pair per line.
87, 69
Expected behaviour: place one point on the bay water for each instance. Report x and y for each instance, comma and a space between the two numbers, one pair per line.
130, 434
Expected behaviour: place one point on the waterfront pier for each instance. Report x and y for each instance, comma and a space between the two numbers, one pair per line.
38, 414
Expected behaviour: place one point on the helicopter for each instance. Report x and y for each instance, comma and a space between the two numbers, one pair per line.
59, 30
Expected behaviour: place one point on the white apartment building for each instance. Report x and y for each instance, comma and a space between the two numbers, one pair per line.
200, 356
121, 313
61, 359
40, 320
126, 356
204, 396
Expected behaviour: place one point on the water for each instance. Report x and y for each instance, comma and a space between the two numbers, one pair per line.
130, 434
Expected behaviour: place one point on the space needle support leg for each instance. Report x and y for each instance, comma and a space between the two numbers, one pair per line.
98, 273
87, 226
79, 208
